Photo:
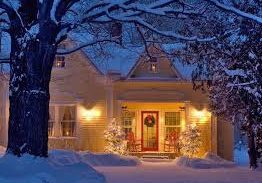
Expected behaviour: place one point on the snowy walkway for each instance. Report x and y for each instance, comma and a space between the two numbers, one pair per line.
168, 173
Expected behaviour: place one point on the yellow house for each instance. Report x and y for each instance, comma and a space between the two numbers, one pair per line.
89, 89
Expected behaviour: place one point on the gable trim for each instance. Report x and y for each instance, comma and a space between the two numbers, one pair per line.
132, 70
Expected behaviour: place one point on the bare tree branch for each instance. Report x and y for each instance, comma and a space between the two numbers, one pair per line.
86, 45
169, 34
236, 11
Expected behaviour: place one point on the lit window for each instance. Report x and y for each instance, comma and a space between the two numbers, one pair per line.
68, 120
153, 65
172, 123
59, 61
128, 122
62, 118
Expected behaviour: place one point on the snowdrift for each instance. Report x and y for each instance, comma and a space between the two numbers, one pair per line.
105, 159
59, 167
208, 161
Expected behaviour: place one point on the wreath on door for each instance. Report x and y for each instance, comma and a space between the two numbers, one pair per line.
150, 121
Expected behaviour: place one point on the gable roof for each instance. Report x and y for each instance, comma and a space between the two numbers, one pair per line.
157, 52
114, 58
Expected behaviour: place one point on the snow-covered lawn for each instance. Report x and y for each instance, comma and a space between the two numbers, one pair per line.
84, 167
59, 167
209, 169
168, 173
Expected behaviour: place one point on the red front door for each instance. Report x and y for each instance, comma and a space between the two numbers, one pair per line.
149, 120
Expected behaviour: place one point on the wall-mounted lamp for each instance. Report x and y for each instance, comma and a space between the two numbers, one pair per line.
91, 114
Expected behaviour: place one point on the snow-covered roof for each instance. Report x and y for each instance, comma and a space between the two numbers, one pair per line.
111, 57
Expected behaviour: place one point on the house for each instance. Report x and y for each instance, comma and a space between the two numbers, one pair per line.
90, 88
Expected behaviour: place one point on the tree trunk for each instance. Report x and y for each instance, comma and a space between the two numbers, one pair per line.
259, 143
29, 96
252, 149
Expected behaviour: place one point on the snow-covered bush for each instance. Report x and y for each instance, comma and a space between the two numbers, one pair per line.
190, 141
115, 136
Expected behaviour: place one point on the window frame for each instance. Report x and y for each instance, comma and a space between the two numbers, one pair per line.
153, 62
60, 64
53, 121
57, 127
133, 123
177, 126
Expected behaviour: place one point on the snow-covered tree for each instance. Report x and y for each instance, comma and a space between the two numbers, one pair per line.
190, 141
115, 139
37, 28
232, 66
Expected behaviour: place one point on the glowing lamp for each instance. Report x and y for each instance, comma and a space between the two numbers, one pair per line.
201, 116
91, 114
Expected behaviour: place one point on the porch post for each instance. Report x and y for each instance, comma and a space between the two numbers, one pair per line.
214, 139
109, 101
187, 113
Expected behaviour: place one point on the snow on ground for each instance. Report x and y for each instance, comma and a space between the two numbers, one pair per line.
68, 166
241, 157
105, 159
59, 167
167, 172
207, 162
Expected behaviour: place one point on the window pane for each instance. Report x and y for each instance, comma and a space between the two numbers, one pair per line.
128, 122
67, 115
68, 128
172, 118
172, 123
59, 61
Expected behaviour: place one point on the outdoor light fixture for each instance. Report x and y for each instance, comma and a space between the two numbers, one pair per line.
201, 115
90, 114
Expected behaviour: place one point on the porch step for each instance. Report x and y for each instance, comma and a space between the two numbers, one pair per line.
155, 157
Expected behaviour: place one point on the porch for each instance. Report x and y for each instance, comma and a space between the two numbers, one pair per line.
153, 129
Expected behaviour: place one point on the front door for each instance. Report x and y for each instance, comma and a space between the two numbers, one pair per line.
149, 130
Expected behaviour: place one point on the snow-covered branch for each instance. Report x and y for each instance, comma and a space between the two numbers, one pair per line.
170, 34
240, 84
236, 11
79, 47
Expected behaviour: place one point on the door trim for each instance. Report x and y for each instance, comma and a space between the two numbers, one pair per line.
142, 131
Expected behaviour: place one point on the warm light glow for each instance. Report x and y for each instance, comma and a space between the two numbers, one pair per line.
91, 114
201, 116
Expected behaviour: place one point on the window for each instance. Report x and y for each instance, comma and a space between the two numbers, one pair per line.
153, 65
128, 122
68, 120
172, 122
62, 121
51, 121
59, 61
